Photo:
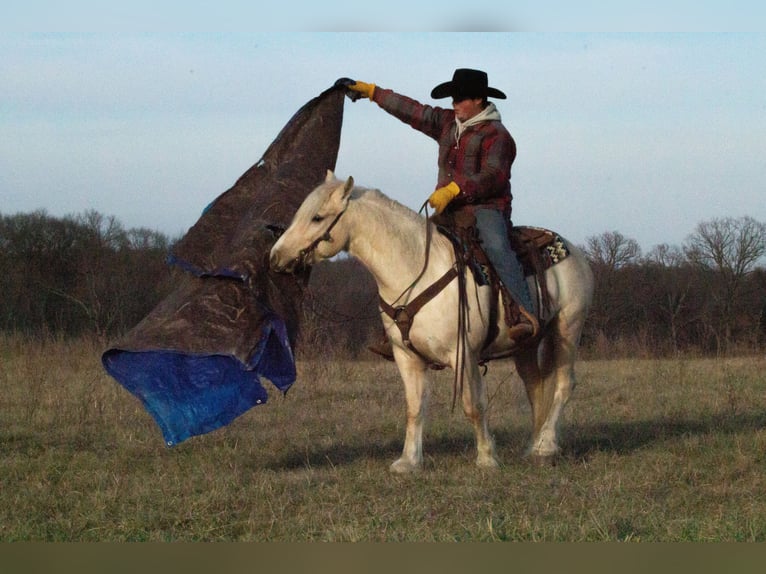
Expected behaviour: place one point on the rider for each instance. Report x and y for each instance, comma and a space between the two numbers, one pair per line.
475, 156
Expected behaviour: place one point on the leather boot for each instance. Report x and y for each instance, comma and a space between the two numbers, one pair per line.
520, 332
525, 329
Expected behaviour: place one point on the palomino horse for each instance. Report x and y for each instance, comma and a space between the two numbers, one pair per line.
390, 241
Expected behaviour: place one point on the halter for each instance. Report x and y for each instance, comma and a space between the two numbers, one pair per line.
304, 253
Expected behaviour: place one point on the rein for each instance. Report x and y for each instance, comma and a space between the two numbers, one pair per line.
403, 315
429, 234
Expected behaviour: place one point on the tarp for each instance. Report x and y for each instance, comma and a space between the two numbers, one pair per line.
196, 360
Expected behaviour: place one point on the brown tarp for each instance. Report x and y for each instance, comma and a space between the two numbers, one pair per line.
196, 360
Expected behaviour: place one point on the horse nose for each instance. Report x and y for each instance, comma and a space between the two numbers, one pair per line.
277, 264
274, 261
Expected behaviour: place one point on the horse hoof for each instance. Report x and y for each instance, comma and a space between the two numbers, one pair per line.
402, 466
488, 463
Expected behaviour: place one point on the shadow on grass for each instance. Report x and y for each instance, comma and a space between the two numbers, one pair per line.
453, 443
341, 454
579, 442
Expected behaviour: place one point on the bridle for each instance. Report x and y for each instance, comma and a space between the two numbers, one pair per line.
306, 252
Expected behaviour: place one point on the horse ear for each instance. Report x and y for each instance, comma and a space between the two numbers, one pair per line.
349, 186
330, 176
341, 192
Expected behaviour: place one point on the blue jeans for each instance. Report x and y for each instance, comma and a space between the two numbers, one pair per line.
493, 231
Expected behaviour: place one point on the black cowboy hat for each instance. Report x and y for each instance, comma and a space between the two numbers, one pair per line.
467, 83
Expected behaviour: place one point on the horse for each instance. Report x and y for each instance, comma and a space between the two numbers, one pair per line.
388, 238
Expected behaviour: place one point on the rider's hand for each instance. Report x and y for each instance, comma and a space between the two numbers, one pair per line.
442, 196
357, 89
366, 90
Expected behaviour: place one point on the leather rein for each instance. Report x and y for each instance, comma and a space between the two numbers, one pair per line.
403, 315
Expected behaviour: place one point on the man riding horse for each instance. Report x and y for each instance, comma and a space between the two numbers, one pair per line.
476, 152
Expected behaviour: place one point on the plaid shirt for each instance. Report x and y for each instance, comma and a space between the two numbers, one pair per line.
479, 163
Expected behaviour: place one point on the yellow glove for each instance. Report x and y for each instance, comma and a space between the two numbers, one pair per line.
442, 196
366, 90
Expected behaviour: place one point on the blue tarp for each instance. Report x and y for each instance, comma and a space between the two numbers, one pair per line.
190, 394
196, 361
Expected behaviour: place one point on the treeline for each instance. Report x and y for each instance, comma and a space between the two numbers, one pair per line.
707, 296
77, 275
88, 275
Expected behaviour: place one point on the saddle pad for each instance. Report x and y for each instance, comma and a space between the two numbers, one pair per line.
538, 249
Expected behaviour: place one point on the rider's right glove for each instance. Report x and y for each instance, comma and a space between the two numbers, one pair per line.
357, 89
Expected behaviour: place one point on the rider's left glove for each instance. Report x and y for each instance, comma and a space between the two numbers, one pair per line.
441, 197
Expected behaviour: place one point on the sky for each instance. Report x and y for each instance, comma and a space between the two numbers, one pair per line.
646, 133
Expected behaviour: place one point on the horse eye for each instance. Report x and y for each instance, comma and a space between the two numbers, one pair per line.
317, 219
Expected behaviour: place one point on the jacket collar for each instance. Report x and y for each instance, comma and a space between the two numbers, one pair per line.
488, 114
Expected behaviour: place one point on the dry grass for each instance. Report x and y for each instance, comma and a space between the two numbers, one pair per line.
653, 451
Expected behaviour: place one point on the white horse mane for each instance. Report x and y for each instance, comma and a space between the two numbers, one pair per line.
387, 203
382, 214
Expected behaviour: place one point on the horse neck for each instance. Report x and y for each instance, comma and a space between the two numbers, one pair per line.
390, 241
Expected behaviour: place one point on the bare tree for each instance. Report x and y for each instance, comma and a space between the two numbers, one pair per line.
612, 250
672, 287
612, 256
730, 248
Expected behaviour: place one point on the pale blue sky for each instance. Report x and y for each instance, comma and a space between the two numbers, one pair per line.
647, 134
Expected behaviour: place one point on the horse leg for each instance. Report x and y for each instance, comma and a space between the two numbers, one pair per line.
528, 367
475, 404
413, 373
565, 340
549, 381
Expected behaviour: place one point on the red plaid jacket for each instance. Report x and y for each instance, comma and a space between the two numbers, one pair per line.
480, 163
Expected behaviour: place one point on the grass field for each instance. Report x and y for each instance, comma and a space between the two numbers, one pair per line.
654, 450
